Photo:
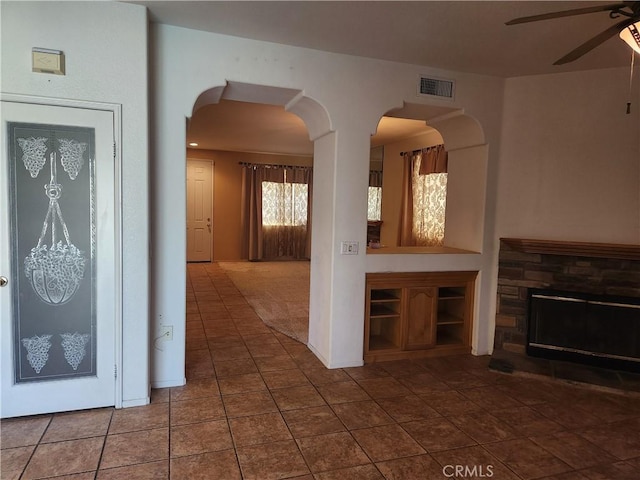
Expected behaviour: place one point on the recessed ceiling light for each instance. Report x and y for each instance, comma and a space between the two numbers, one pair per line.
193, 144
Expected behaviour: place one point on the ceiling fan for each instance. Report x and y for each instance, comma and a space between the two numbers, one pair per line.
628, 28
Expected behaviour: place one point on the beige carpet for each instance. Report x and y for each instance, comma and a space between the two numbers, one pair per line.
277, 291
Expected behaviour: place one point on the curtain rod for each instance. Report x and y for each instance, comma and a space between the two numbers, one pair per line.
413, 152
270, 165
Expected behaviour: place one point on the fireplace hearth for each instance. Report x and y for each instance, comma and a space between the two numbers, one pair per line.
571, 301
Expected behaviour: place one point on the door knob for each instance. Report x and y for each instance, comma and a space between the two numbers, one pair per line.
3, 281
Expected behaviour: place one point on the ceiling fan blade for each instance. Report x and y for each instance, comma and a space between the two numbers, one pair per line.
568, 13
595, 41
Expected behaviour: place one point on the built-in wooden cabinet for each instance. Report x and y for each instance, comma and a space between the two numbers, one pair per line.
411, 315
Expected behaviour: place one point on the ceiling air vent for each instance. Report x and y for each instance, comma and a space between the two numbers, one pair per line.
436, 87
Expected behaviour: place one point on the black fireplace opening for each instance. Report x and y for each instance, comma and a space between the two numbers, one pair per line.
597, 330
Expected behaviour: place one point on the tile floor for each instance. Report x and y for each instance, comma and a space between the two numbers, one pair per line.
259, 405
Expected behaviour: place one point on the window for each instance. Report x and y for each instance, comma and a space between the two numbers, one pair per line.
284, 204
375, 204
424, 197
429, 204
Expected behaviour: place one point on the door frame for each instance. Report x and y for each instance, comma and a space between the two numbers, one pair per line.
116, 110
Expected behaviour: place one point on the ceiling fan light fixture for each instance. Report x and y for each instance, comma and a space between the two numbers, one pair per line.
631, 35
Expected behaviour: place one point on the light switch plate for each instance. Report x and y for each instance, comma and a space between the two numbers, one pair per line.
349, 248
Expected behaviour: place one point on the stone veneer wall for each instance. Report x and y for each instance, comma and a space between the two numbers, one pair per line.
518, 271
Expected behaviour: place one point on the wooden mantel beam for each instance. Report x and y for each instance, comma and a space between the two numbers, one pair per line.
576, 249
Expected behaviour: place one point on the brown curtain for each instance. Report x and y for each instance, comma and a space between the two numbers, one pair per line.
428, 160
273, 242
375, 178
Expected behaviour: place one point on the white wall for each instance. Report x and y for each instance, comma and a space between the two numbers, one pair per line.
105, 47
570, 160
355, 92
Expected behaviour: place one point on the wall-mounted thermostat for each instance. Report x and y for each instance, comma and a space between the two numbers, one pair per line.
44, 60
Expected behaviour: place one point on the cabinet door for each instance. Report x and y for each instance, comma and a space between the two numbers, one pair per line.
420, 320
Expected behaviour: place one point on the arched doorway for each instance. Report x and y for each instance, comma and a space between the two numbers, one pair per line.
262, 114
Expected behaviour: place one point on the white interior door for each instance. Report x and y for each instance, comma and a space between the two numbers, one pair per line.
199, 210
58, 237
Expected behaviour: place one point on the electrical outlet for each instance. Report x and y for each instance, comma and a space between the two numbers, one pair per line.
166, 333
349, 248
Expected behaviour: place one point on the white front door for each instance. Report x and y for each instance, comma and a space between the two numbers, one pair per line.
199, 210
59, 258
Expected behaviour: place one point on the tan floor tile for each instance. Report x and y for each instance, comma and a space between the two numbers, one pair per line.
566, 415
140, 418
229, 340
76, 476
620, 439
527, 459
249, 382
285, 378
271, 461
64, 458
449, 402
409, 468
361, 472
424, 383
198, 438
21, 432
483, 427
574, 450
387, 442
196, 410
297, 397
253, 403
13, 461
207, 466
135, 447
366, 371
76, 425
528, 393
226, 353
261, 339
527, 421
266, 349
143, 471
406, 409
615, 471
160, 395
383, 387
342, 392
197, 388
331, 452
361, 414
278, 362
402, 368
211, 332
490, 399
259, 429
437, 434
235, 367
307, 422
321, 376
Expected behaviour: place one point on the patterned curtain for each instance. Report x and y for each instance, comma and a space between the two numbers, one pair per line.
375, 196
424, 197
277, 212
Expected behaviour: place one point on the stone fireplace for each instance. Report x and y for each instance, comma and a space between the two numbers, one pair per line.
572, 301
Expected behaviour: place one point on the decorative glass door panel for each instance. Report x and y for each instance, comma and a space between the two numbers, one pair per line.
51, 172
58, 309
